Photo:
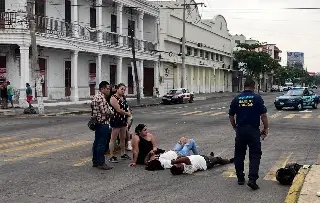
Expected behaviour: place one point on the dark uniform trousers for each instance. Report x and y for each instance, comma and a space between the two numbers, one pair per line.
247, 136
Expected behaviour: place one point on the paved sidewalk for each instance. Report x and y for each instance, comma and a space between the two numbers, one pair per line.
306, 186
64, 107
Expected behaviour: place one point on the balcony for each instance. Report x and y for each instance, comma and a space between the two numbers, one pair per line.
46, 26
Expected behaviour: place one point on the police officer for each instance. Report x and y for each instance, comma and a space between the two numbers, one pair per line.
248, 108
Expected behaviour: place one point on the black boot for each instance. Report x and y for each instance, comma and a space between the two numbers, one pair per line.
241, 180
253, 185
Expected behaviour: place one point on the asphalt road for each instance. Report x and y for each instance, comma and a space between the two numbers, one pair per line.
47, 159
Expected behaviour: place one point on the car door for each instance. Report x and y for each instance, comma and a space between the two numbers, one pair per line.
313, 97
307, 98
184, 94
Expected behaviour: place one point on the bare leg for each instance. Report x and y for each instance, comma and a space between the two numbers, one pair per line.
114, 135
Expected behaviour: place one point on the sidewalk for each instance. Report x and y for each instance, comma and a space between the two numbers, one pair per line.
64, 107
306, 186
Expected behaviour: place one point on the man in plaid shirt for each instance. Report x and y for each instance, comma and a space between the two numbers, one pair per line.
102, 112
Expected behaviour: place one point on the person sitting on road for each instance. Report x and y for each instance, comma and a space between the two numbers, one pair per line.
161, 159
142, 143
193, 163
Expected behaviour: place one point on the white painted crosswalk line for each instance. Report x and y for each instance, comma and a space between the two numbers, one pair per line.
190, 113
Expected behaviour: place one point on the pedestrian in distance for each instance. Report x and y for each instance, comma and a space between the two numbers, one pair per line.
102, 112
10, 93
248, 108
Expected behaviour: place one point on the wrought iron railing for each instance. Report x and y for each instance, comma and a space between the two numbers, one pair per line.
62, 29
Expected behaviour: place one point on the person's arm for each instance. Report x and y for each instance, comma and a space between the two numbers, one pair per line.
264, 118
154, 144
232, 112
148, 157
182, 160
135, 149
116, 106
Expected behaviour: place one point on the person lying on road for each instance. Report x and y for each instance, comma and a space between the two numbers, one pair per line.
160, 159
193, 163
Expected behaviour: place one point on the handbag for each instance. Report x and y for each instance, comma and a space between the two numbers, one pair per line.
93, 121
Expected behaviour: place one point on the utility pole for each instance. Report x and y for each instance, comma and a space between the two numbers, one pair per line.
35, 65
135, 69
183, 54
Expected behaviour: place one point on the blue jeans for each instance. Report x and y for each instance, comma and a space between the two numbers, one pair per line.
184, 150
102, 134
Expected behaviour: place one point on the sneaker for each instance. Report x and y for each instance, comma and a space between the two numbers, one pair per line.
241, 180
129, 148
104, 167
125, 157
113, 159
253, 185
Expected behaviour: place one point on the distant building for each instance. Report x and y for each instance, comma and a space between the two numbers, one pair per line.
295, 59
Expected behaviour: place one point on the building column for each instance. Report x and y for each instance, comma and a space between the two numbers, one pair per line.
141, 77
224, 81
25, 75
74, 18
74, 77
119, 70
198, 80
204, 80
219, 80
191, 78
99, 19
119, 23
209, 80
140, 24
98, 70
215, 80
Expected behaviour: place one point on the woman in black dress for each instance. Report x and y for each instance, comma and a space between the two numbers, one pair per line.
119, 122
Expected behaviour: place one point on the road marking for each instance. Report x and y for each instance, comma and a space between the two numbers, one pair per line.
291, 115
83, 161
40, 144
308, 115
39, 153
5, 138
9, 144
216, 114
318, 161
276, 115
204, 113
176, 112
282, 162
319, 116
231, 171
190, 113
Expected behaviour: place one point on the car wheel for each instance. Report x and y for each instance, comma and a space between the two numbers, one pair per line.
181, 101
278, 107
191, 100
315, 106
299, 106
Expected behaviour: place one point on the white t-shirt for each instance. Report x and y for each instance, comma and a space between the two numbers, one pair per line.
165, 158
198, 163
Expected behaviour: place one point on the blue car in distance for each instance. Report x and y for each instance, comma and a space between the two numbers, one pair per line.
297, 98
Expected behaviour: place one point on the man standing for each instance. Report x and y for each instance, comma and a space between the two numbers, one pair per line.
248, 108
10, 93
101, 111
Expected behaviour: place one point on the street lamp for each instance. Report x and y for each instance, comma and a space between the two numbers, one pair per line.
260, 78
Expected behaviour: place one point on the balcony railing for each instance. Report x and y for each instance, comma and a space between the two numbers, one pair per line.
62, 29
8, 20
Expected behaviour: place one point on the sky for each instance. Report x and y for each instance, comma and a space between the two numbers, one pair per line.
267, 21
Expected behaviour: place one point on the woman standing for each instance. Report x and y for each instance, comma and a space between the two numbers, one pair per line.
119, 122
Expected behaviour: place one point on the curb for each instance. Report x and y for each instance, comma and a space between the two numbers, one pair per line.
294, 191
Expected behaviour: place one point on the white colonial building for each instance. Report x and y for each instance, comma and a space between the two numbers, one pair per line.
208, 50
80, 43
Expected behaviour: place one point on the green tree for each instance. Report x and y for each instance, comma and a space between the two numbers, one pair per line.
255, 63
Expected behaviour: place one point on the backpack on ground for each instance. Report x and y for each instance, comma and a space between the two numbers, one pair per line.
286, 175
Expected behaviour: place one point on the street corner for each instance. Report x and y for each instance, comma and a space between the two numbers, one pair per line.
310, 187
301, 186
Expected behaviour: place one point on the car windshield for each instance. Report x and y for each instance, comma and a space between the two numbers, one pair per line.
175, 91
295, 92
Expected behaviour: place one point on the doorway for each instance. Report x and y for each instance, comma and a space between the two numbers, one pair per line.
130, 81
67, 78
148, 81
113, 74
43, 74
92, 75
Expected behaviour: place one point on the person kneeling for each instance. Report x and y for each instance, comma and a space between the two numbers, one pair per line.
193, 163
